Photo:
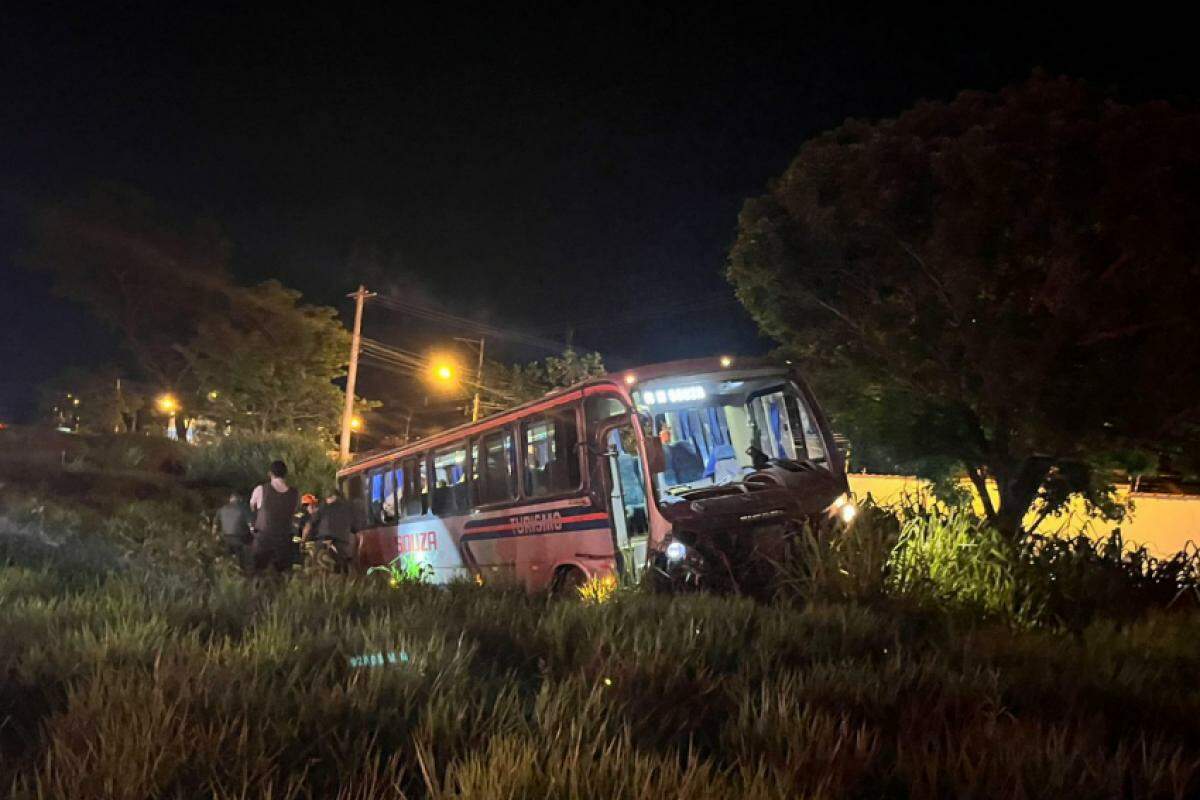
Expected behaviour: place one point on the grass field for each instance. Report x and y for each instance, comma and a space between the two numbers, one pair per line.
139, 664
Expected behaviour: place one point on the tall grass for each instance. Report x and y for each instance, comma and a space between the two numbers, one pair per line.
948, 559
952, 557
167, 677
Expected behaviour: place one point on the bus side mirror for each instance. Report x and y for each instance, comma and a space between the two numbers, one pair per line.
655, 456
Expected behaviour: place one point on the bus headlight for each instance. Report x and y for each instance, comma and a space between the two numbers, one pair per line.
845, 508
676, 551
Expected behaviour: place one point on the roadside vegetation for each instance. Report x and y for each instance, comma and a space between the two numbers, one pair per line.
909, 656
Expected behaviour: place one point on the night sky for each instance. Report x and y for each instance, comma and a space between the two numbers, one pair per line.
539, 170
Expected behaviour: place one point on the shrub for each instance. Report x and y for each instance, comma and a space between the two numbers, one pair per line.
834, 561
1080, 578
950, 556
240, 462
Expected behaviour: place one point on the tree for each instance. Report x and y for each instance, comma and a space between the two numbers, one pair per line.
148, 280
255, 357
268, 364
1005, 282
522, 382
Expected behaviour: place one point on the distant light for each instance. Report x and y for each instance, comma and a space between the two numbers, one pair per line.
676, 551
630, 379
75, 402
849, 512
214, 394
726, 361
356, 423
167, 403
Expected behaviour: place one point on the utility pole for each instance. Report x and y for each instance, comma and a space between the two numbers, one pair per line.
352, 374
478, 383
478, 376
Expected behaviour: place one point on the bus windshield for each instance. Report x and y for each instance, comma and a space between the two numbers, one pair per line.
713, 427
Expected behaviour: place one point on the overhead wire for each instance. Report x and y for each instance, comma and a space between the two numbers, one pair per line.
441, 316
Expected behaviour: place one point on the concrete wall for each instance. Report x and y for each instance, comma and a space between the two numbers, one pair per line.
1165, 523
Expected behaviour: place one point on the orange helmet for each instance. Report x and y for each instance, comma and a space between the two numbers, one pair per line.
309, 499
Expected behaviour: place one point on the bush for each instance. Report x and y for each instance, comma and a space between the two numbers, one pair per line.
951, 557
240, 462
1078, 579
833, 561
948, 556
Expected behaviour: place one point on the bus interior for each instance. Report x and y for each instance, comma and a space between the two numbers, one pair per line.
713, 427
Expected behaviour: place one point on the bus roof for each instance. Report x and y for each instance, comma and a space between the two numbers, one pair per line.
623, 381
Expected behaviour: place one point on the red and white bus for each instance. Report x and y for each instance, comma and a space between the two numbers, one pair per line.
609, 477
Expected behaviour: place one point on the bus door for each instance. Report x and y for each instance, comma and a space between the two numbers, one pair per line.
626, 487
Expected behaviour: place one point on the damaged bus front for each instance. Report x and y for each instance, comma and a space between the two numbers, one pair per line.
740, 457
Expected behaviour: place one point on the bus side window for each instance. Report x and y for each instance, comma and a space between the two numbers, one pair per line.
450, 474
352, 491
376, 494
415, 502
551, 455
493, 468
389, 512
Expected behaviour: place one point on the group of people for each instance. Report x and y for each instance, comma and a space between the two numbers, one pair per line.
262, 536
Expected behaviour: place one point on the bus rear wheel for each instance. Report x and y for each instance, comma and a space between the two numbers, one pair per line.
567, 581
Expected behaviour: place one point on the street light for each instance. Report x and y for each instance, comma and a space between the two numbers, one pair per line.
356, 423
443, 370
167, 403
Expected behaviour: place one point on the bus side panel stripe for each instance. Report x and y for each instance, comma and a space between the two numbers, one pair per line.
516, 520
483, 537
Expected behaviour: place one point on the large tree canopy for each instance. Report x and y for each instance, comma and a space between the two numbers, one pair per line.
516, 383
152, 282
268, 363
1006, 282
253, 356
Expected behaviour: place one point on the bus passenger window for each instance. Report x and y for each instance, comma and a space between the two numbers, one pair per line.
551, 457
494, 469
450, 476
398, 483
352, 490
382, 496
415, 497
601, 407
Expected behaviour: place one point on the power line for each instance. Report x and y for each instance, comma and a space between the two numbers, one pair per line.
480, 328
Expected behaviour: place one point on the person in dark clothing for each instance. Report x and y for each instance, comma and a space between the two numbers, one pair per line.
232, 522
274, 504
334, 522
